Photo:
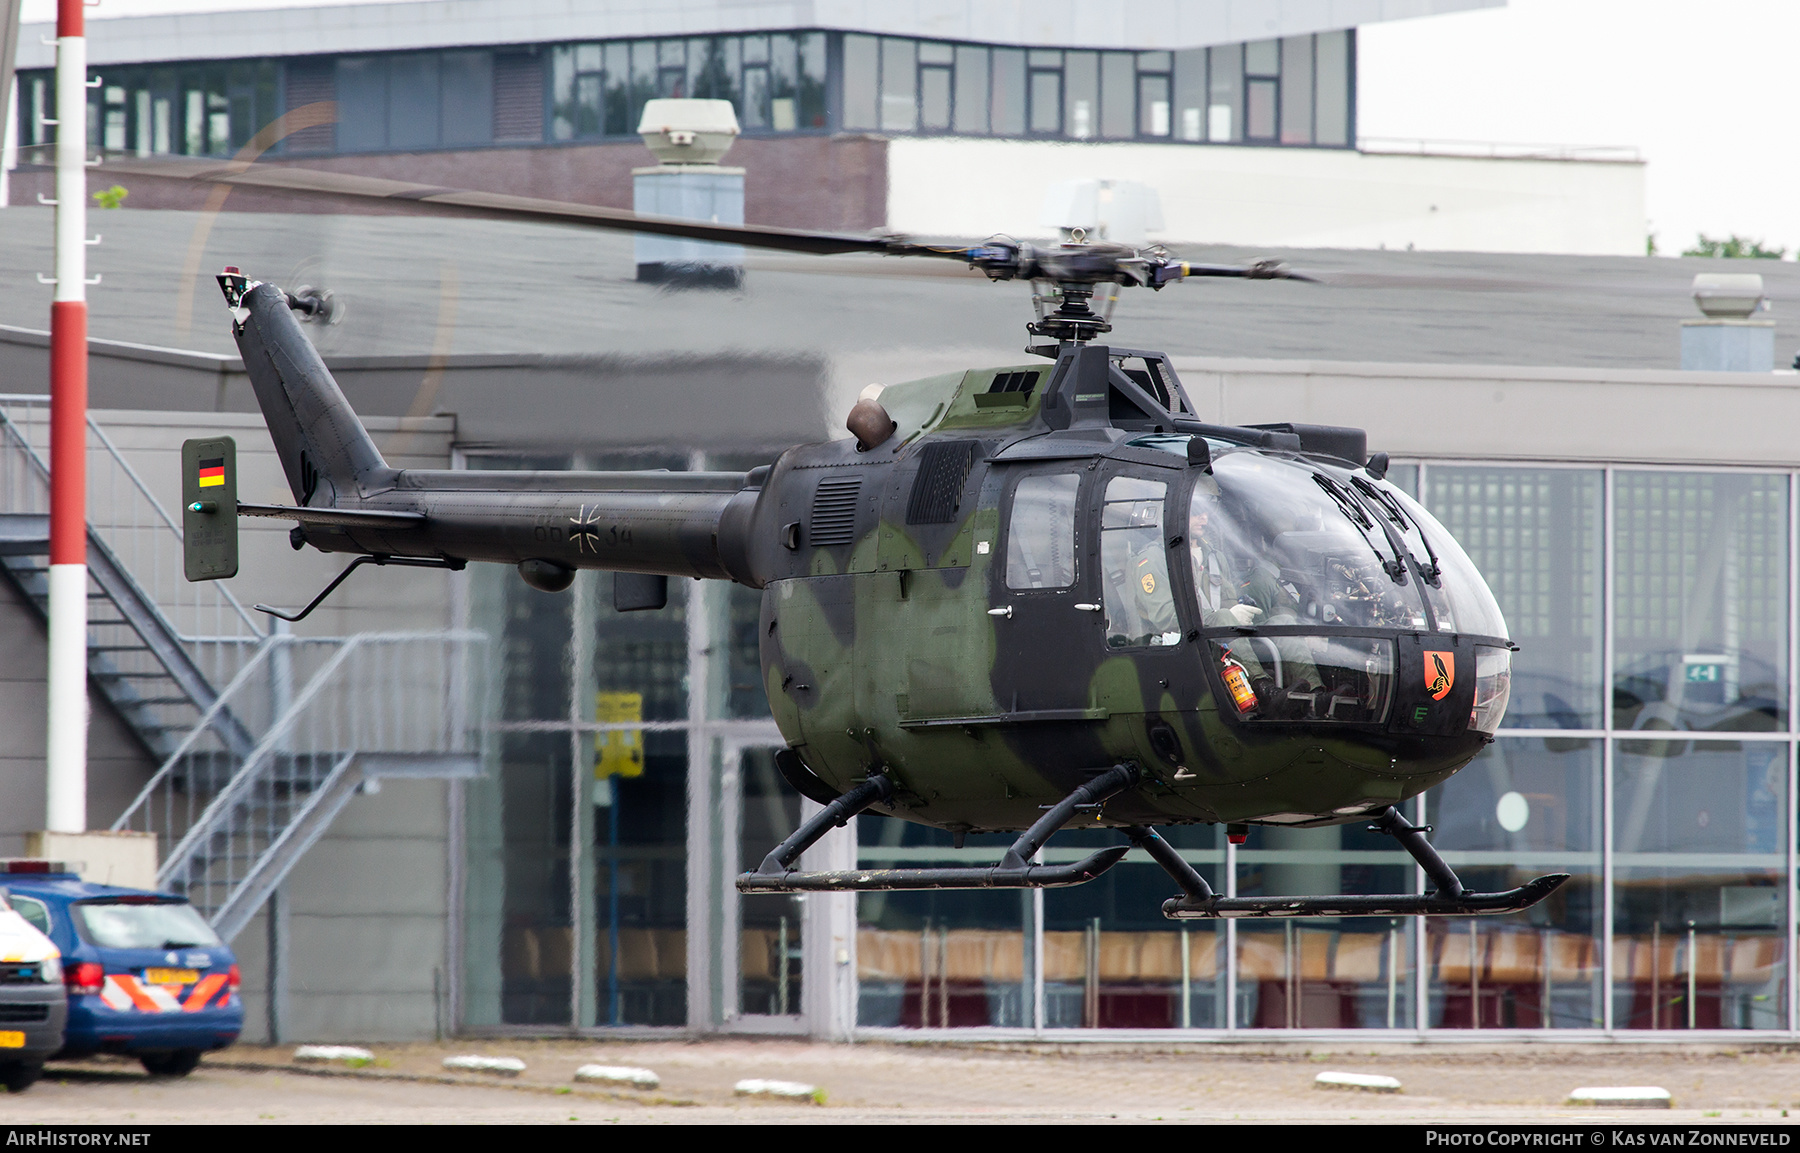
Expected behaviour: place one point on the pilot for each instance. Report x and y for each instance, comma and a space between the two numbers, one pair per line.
1239, 589
1232, 590
1149, 602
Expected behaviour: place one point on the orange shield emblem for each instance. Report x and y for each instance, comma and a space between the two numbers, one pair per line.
1440, 674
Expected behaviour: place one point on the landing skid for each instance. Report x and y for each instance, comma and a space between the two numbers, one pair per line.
1449, 899
1015, 871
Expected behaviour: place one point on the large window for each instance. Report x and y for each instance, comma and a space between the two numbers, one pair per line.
1535, 534
398, 101
775, 82
1294, 91
1650, 755
577, 904
202, 109
1679, 909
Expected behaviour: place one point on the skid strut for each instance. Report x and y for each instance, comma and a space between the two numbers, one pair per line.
1448, 899
1015, 871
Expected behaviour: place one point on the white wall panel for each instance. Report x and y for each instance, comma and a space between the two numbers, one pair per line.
1314, 198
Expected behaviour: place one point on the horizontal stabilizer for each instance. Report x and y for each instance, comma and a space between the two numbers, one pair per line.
347, 517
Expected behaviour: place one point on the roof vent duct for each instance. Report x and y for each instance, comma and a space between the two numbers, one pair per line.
1728, 340
688, 131
688, 138
1731, 294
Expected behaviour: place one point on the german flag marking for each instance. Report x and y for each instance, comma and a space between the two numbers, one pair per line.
212, 472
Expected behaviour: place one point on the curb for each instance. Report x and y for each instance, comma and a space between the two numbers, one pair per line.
367, 1074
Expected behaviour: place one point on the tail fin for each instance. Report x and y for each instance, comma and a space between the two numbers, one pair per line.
324, 448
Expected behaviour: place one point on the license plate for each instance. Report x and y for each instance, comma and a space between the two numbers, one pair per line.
171, 976
11, 1039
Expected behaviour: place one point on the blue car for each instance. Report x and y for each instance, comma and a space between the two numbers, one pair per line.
146, 975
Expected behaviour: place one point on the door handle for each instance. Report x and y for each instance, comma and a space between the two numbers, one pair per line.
1088, 608
1003, 612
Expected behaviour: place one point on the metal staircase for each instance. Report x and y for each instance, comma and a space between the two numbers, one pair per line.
250, 774
157, 645
331, 717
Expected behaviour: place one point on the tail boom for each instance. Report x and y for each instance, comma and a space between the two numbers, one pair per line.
347, 498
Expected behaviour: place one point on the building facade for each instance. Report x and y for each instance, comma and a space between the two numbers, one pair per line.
1649, 751
850, 116
1637, 527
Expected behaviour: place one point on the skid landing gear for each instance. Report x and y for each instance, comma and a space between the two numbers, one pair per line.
1015, 871
1448, 899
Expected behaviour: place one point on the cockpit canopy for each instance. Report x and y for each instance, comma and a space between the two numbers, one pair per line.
1278, 541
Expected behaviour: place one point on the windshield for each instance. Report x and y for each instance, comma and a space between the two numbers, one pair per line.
1463, 603
1271, 545
135, 925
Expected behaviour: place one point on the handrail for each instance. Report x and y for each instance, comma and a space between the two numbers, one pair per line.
364, 733
174, 527
268, 645
248, 760
117, 459
243, 778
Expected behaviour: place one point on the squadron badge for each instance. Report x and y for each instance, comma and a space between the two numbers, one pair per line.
1440, 674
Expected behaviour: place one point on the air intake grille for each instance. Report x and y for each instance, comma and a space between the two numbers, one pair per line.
834, 511
1014, 382
16, 973
937, 490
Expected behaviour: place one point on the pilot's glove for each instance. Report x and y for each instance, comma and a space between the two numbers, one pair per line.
1244, 615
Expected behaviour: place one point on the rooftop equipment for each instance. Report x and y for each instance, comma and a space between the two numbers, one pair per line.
1728, 340
688, 139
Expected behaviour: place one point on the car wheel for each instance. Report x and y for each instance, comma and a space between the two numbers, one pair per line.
179, 1063
18, 1076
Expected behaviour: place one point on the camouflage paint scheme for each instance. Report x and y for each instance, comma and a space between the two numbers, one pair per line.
891, 641
883, 653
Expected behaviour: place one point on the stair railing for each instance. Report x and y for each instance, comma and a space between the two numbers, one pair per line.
395, 697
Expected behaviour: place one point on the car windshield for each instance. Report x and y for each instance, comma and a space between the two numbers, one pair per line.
143, 925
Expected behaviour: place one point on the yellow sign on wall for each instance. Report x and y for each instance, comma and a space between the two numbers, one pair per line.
619, 753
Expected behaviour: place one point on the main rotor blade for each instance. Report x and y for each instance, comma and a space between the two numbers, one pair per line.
502, 206
1256, 270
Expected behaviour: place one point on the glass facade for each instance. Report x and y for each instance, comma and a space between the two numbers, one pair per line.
1296, 91
1678, 837
776, 83
1649, 753
577, 840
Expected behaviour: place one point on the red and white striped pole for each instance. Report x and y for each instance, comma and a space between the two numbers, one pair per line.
67, 744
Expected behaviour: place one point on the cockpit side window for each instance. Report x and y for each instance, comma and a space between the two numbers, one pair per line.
1140, 606
1234, 585
1040, 532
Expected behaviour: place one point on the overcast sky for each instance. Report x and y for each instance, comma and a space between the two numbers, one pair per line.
1709, 94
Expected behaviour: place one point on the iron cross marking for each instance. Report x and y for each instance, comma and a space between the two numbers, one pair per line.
582, 530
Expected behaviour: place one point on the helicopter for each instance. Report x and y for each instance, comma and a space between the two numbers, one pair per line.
1015, 599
